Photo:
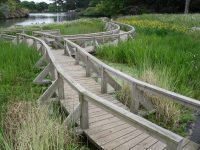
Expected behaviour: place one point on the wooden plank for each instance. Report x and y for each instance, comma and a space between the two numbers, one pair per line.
158, 146
132, 142
145, 144
115, 135
121, 140
109, 132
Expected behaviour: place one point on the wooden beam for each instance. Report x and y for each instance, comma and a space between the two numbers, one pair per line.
84, 116
49, 92
61, 94
41, 62
112, 82
103, 81
73, 117
40, 78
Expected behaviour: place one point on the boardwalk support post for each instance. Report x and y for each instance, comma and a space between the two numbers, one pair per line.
103, 81
84, 116
87, 67
60, 87
76, 57
135, 99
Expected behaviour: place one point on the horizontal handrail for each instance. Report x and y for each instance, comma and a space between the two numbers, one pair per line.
172, 140
112, 31
6, 36
141, 85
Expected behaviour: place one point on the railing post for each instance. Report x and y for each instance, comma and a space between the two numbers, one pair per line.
118, 37
94, 42
103, 81
134, 99
34, 43
24, 39
60, 87
87, 67
76, 57
52, 72
17, 38
65, 47
84, 119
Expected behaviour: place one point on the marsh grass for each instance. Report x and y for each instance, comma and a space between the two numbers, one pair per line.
17, 73
80, 26
165, 52
23, 124
28, 126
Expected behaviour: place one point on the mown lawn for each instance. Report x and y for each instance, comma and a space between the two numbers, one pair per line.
165, 52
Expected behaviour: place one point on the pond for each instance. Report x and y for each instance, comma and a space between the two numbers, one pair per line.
39, 18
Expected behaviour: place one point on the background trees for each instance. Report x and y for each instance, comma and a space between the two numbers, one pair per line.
116, 7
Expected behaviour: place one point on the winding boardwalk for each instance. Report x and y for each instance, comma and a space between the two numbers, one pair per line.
85, 86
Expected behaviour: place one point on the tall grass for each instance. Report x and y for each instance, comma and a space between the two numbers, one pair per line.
28, 126
77, 27
163, 53
80, 26
17, 73
23, 124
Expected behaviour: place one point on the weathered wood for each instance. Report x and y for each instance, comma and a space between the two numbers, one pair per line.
84, 118
88, 74
61, 94
49, 92
76, 57
172, 140
40, 78
112, 82
164, 135
73, 117
41, 62
67, 49
103, 81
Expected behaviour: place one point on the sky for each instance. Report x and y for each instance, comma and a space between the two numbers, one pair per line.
37, 1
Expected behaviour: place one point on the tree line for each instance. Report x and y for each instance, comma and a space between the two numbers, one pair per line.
108, 7
116, 7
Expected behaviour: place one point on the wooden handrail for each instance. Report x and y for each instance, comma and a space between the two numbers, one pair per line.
172, 140
114, 31
195, 104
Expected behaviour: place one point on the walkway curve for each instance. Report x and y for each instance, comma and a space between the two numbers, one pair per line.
65, 79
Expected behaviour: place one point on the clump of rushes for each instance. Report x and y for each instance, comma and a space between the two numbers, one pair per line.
31, 127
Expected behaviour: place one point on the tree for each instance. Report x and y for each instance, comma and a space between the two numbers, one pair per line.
70, 4
52, 7
187, 4
42, 6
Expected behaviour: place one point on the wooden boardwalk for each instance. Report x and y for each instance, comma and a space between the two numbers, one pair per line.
103, 119
105, 130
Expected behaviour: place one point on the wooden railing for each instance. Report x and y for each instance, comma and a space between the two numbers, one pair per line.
109, 76
58, 77
92, 39
7, 37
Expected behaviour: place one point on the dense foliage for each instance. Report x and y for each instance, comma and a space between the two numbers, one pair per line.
12, 9
110, 8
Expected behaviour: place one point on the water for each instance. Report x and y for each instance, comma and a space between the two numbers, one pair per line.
39, 18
